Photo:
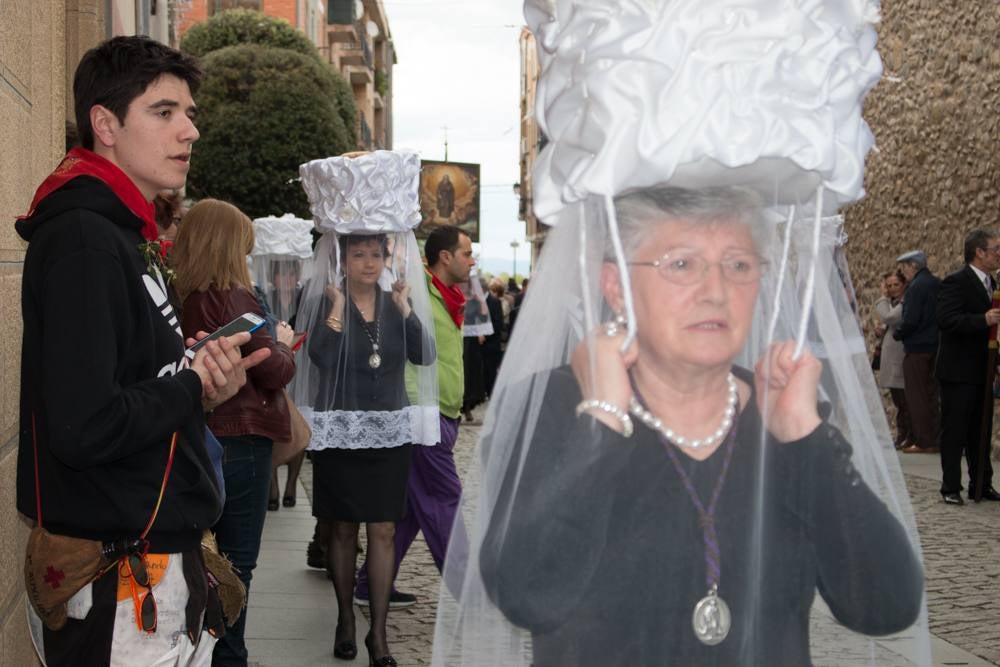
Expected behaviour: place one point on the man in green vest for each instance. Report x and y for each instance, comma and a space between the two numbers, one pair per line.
434, 487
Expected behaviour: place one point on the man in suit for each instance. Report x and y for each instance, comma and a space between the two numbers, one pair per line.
919, 332
965, 314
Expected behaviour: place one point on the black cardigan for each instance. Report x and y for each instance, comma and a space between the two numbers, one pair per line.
601, 555
346, 381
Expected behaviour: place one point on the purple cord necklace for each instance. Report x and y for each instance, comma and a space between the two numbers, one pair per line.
711, 619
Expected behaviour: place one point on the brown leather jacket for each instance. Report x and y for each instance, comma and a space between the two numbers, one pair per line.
258, 408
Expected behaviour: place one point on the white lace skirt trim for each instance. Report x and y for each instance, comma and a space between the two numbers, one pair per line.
370, 429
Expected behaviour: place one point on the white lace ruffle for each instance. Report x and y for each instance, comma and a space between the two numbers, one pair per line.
702, 92
364, 429
375, 193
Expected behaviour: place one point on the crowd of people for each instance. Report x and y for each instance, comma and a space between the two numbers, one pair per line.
673, 471
933, 358
124, 415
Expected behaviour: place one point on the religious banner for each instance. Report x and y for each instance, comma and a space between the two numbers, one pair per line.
449, 195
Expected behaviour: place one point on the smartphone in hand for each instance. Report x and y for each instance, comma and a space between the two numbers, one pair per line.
245, 322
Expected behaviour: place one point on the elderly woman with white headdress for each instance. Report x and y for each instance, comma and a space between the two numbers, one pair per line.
370, 387
687, 456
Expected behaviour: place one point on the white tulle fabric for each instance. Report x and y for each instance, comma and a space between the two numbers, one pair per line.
374, 193
761, 93
287, 235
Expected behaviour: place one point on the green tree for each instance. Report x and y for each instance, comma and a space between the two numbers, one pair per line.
245, 26
262, 112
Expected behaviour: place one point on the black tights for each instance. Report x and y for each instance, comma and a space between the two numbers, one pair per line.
341, 554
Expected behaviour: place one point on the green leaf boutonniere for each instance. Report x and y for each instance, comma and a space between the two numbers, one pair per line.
155, 254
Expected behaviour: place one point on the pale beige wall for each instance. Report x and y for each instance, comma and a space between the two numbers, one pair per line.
37, 40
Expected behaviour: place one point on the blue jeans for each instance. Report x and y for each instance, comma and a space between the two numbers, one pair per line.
246, 466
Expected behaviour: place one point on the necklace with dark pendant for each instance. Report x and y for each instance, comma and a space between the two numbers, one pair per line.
711, 618
374, 359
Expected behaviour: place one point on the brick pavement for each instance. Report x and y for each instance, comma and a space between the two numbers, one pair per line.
292, 614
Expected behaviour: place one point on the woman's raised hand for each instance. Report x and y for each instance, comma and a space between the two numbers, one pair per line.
284, 333
787, 391
400, 296
601, 370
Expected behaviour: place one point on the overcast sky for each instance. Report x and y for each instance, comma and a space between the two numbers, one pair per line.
459, 67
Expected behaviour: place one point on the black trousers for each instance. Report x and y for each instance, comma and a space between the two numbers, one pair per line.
922, 398
961, 422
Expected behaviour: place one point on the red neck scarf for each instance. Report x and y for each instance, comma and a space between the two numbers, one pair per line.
454, 300
81, 162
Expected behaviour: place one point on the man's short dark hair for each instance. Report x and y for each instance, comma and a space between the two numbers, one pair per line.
439, 240
977, 239
119, 70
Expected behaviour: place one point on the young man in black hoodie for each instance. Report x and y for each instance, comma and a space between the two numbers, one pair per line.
105, 385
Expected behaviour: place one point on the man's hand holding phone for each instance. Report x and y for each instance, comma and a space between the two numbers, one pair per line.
221, 366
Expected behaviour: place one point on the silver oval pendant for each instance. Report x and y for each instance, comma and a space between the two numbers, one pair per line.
711, 619
375, 360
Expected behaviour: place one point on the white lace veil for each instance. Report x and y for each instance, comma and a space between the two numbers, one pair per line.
281, 261
367, 381
585, 547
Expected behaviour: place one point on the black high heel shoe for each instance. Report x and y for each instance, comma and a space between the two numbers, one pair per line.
287, 501
272, 505
346, 649
384, 661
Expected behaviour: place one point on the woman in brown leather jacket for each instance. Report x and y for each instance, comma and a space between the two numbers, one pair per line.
213, 282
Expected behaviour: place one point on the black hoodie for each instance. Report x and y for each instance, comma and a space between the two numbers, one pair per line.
105, 380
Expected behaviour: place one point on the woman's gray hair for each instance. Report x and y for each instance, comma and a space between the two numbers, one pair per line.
636, 209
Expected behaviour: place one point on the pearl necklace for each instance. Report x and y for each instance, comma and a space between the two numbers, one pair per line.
654, 422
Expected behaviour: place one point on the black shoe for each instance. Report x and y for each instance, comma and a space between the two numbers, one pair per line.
315, 556
952, 499
988, 494
384, 661
272, 505
346, 649
288, 501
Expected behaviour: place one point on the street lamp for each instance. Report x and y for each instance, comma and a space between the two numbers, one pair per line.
514, 244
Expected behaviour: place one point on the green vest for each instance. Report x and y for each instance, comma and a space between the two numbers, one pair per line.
448, 342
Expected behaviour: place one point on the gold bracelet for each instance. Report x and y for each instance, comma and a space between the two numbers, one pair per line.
333, 323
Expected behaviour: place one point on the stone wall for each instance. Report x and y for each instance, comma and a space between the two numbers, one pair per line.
40, 40
936, 119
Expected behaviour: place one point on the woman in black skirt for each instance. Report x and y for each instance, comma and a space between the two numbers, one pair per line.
369, 386
364, 340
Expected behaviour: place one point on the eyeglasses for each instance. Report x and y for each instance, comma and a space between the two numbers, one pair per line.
134, 567
684, 268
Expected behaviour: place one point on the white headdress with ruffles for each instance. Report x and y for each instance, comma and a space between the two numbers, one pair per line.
373, 193
286, 235
743, 92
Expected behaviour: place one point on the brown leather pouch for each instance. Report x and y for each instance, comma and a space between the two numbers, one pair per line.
56, 567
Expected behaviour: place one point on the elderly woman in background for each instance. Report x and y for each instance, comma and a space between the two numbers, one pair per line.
729, 495
888, 313
213, 282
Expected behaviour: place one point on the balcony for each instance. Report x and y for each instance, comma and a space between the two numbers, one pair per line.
358, 75
342, 33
